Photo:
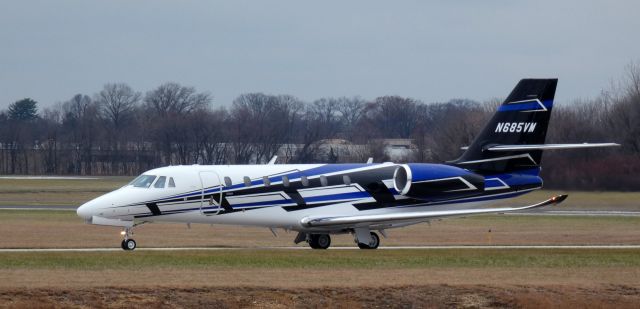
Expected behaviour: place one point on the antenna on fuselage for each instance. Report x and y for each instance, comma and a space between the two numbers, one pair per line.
273, 160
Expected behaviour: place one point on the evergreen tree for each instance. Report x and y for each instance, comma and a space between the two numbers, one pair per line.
25, 109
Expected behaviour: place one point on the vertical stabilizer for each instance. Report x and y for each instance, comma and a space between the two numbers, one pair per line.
522, 119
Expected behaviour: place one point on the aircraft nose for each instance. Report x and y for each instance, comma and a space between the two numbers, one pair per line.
85, 211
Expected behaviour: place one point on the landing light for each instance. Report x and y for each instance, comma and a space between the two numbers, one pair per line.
122, 232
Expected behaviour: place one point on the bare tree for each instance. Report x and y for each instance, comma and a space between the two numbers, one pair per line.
80, 120
171, 104
262, 123
351, 110
117, 102
172, 98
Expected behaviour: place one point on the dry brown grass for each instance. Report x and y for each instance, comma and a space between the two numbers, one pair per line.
315, 278
59, 229
412, 296
236, 287
582, 200
43, 192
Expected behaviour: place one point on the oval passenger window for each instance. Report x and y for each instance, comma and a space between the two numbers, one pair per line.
346, 179
323, 181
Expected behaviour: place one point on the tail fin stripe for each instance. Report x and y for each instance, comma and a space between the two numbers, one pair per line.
527, 106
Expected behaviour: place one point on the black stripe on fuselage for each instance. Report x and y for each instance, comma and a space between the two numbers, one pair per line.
153, 207
370, 179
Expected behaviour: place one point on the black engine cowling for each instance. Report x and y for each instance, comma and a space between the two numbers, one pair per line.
432, 182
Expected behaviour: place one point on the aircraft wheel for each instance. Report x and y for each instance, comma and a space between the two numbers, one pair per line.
128, 244
375, 242
320, 241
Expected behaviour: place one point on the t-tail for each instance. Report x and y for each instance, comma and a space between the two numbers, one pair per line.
514, 138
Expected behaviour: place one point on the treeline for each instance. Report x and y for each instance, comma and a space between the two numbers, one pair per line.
121, 131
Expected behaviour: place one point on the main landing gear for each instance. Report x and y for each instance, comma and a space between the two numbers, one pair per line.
323, 241
127, 244
319, 241
373, 244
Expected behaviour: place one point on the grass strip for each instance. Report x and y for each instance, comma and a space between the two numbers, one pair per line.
307, 259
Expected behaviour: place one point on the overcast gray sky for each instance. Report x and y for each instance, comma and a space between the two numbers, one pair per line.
428, 50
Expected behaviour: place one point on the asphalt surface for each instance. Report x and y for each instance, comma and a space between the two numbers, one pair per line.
332, 248
26, 207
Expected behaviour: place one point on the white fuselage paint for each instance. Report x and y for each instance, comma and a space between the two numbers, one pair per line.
128, 202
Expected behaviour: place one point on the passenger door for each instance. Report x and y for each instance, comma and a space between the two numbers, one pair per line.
211, 193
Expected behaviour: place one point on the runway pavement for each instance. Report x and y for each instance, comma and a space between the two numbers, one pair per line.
50, 177
542, 247
53, 207
575, 213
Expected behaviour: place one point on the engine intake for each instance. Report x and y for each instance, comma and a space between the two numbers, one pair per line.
431, 182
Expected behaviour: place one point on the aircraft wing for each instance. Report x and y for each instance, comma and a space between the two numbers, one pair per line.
416, 216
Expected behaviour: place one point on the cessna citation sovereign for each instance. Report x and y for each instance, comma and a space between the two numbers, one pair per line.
317, 200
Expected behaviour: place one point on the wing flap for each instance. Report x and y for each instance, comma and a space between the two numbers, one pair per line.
414, 216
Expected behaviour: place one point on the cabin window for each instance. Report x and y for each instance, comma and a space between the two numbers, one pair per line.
285, 181
227, 181
160, 182
172, 184
323, 180
143, 181
305, 181
266, 181
247, 181
346, 179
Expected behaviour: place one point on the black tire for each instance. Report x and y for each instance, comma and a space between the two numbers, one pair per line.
312, 243
122, 245
129, 244
320, 241
375, 242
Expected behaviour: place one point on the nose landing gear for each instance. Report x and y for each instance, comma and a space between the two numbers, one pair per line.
128, 244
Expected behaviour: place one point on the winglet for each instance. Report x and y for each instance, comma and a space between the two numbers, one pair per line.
554, 200
558, 199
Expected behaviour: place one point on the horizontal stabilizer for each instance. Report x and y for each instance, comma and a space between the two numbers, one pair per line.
415, 216
549, 146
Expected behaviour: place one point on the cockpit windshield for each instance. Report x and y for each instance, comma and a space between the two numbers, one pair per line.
160, 182
143, 181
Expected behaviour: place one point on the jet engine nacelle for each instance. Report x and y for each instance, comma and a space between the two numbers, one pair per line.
432, 182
